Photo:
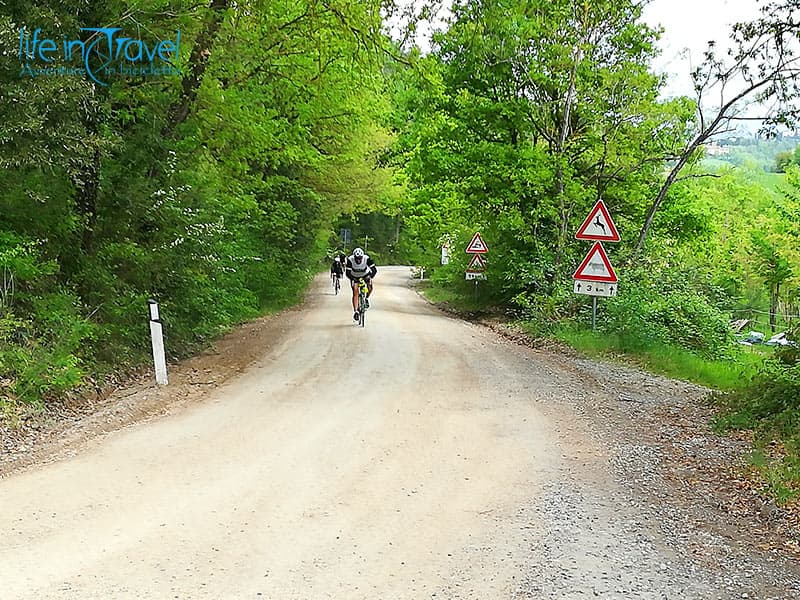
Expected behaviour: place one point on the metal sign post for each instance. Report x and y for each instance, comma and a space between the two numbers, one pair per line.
344, 235
476, 270
595, 276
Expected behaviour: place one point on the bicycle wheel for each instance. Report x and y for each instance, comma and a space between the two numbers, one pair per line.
362, 309
336, 286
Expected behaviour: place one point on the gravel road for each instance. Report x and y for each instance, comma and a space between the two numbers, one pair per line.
419, 457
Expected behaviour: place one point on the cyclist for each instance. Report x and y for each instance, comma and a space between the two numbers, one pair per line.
337, 268
360, 266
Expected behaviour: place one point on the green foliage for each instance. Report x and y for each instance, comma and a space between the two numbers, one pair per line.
670, 314
731, 373
522, 117
212, 192
42, 352
771, 406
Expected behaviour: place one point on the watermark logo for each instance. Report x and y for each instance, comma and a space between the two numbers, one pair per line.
104, 54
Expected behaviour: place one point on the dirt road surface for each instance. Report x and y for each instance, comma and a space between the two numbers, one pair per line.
419, 457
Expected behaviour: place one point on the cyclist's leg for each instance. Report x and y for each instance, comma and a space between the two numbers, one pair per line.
354, 287
368, 282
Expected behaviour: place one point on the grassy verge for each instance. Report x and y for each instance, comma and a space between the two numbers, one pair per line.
670, 361
455, 299
778, 468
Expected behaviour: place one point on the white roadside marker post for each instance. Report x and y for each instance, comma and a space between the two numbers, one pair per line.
157, 335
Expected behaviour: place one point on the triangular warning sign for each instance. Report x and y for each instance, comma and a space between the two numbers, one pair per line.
476, 246
596, 266
477, 264
598, 225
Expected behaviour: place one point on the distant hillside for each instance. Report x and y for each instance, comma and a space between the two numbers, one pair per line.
751, 152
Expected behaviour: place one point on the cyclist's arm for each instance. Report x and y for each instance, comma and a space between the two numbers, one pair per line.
348, 271
373, 270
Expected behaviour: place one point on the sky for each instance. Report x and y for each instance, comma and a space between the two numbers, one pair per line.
689, 25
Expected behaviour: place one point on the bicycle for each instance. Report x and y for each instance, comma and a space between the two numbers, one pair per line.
337, 283
362, 301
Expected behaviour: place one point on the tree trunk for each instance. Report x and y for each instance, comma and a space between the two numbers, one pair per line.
198, 62
398, 218
562, 140
773, 306
662, 193
86, 200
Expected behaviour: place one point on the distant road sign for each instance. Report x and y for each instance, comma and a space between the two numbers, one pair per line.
477, 264
595, 288
596, 266
477, 246
598, 225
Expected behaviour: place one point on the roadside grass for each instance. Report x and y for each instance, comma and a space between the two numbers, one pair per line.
778, 469
455, 299
730, 374
670, 361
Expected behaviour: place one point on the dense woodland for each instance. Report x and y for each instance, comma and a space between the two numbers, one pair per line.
220, 191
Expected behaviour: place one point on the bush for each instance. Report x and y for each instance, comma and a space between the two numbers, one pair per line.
771, 406
772, 401
659, 303
681, 317
42, 356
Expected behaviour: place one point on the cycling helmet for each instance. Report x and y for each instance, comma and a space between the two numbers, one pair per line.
358, 253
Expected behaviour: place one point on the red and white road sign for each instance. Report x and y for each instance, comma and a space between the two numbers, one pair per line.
476, 246
596, 266
598, 225
477, 264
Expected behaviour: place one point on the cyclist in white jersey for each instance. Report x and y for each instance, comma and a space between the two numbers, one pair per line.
360, 266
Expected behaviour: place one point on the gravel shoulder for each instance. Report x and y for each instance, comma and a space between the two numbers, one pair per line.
475, 466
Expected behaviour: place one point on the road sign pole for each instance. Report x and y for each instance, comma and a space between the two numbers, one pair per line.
594, 313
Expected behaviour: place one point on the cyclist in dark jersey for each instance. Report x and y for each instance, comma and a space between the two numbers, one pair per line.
337, 268
360, 266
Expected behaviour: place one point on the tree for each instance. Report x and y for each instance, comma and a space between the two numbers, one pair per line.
772, 266
212, 190
762, 67
527, 113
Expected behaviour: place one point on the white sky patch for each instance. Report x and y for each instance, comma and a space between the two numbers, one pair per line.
404, 9
688, 26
